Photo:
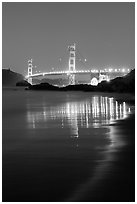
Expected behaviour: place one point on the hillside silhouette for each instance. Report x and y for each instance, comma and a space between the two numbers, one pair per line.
10, 78
124, 84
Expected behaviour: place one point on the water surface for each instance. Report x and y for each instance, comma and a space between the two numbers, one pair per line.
59, 145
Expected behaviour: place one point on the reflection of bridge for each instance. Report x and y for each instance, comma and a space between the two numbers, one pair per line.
96, 75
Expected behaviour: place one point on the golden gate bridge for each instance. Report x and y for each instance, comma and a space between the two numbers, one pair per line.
96, 75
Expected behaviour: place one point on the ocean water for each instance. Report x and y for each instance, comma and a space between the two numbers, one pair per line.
65, 146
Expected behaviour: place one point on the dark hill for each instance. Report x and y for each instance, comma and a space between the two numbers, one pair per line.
23, 83
43, 86
124, 84
10, 78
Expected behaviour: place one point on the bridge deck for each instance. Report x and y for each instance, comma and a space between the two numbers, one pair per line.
105, 71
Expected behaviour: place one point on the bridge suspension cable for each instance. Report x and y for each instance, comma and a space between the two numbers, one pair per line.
81, 59
62, 62
71, 69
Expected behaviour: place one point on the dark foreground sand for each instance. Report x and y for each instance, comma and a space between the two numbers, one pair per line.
120, 185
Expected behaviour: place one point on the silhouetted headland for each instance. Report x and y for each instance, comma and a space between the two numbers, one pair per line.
10, 78
23, 83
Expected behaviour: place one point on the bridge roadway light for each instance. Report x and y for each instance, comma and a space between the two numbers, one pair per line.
123, 70
26, 76
115, 70
110, 70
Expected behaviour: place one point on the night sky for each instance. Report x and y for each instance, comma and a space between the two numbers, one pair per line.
104, 34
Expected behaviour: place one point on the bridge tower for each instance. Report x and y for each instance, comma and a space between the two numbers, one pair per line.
30, 66
72, 63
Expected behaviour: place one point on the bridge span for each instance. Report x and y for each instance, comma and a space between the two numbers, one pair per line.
96, 75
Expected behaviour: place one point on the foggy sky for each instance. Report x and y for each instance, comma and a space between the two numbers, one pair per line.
103, 32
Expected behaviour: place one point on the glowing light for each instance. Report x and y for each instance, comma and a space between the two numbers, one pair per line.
115, 70
116, 110
110, 70
111, 106
129, 110
85, 60
100, 110
120, 111
124, 109
108, 80
26, 77
106, 106
94, 81
101, 70
123, 70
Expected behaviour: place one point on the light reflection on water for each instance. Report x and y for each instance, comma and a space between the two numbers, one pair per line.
88, 113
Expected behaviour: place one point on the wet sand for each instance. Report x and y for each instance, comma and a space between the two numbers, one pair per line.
119, 186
